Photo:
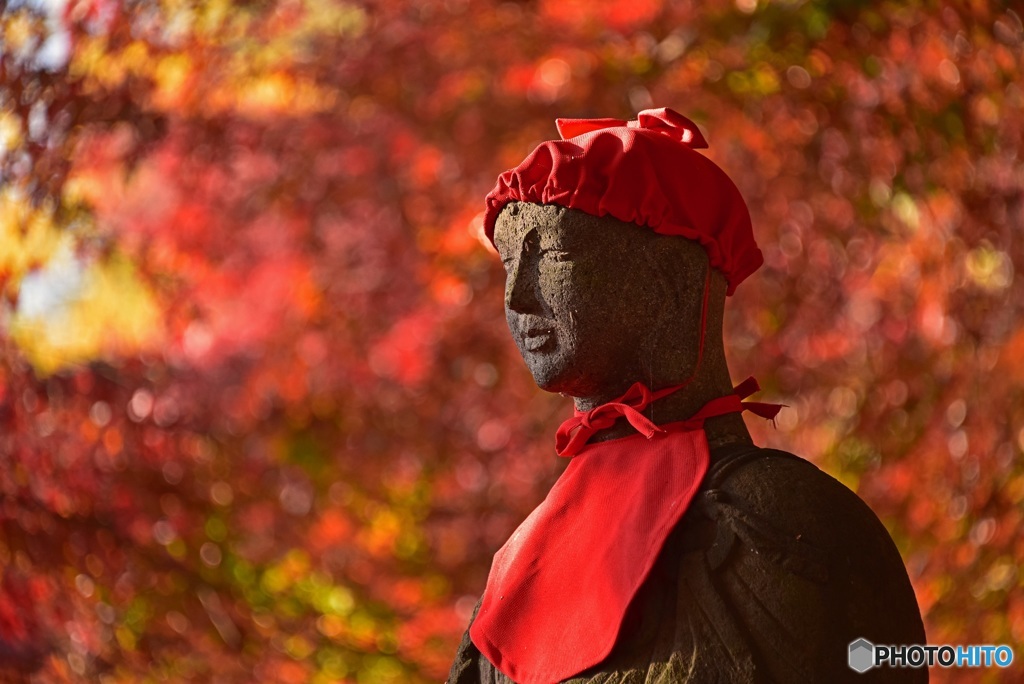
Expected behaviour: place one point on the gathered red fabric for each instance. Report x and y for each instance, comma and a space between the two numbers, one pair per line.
559, 588
646, 172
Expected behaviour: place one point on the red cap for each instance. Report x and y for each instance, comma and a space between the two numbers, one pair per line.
645, 172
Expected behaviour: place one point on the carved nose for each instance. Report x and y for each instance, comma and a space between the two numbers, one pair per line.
522, 287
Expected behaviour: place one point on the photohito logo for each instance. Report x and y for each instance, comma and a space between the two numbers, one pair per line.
865, 655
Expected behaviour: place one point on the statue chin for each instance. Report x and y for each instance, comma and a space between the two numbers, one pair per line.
547, 373
567, 366
560, 380
558, 368
552, 384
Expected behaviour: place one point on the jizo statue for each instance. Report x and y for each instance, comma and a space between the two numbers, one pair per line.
672, 549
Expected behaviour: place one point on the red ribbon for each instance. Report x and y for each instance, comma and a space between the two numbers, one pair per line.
574, 433
664, 121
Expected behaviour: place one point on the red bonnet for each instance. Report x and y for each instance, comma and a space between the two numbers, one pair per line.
646, 172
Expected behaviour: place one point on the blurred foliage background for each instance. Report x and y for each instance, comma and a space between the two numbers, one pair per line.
259, 416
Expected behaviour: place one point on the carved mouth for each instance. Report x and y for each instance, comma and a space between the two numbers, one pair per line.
538, 339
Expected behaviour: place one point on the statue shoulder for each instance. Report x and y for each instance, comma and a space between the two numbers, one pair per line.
782, 511
793, 493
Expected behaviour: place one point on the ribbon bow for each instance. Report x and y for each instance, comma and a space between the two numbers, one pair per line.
665, 121
574, 433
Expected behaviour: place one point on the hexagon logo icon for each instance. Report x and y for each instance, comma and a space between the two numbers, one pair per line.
862, 655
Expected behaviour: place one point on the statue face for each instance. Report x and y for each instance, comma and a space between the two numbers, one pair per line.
577, 299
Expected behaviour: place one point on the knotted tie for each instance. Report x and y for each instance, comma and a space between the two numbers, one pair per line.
575, 432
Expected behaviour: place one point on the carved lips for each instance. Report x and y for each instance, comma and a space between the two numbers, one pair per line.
537, 339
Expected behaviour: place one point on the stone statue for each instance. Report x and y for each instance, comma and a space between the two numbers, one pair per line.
704, 558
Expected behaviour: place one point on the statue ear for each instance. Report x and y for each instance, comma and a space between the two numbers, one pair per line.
670, 266
679, 268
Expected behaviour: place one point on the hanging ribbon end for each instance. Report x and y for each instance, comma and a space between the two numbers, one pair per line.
649, 433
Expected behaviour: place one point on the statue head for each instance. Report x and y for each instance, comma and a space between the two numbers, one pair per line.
595, 304
615, 239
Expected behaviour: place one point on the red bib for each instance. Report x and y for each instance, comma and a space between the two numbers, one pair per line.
559, 588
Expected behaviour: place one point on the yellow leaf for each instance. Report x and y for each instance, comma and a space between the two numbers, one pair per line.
28, 236
112, 313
